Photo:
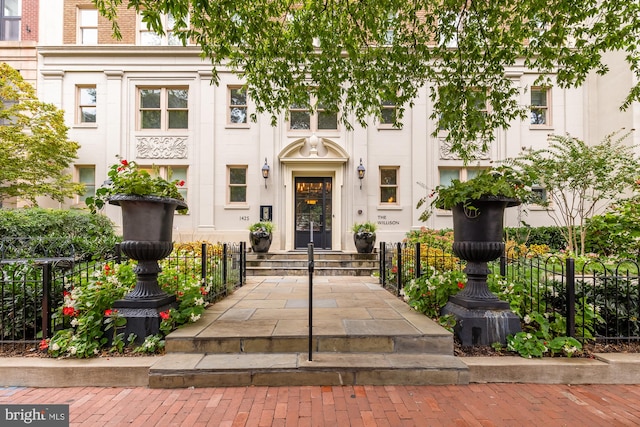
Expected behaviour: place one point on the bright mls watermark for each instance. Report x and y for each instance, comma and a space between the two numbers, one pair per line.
34, 415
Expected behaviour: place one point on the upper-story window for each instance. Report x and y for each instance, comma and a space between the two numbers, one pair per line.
301, 118
164, 108
149, 37
10, 14
539, 112
388, 114
86, 102
87, 26
237, 105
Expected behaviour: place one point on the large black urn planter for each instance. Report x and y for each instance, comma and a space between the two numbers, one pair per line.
481, 318
147, 227
364, 241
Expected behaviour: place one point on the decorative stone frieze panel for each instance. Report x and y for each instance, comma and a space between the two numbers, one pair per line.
447, 154
161, 147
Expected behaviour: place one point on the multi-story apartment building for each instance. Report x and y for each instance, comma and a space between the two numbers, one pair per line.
149, 99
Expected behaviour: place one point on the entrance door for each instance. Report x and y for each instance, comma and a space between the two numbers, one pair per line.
313, 212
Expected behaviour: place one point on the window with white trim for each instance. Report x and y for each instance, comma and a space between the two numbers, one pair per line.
301, 118
462, 174
171, 173
10, 17
539, 110
237, 179
388, 114
389, 185
86, 175
237, 102
163, 108
148, 37
86, 102
87, 26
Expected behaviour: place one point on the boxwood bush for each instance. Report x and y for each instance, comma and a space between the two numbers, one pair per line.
92, 235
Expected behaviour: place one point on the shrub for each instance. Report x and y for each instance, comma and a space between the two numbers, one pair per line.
92, 236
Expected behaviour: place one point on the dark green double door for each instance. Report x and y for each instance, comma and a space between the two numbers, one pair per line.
313, 212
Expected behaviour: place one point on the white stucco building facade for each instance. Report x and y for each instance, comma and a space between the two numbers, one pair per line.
156, 105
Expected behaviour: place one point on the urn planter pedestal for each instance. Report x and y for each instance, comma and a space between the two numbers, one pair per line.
481, 317
147, 226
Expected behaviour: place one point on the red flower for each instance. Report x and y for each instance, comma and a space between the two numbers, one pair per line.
109, 312
124, 162
203, 291
181, 183
164, 315
394, 269
460, 285
66, 293
68, 311
44, 344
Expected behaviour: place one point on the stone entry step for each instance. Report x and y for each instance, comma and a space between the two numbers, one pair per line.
362, 334
294, 369
296, 263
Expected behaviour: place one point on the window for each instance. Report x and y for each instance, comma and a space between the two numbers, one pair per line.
164, 108
10, 14
300, 118
388, 112
462, 174
88, 26
389, 185
540, 106
171, 173
237, 184
237, 105
86, 104
540, 193
87, 176
151, 38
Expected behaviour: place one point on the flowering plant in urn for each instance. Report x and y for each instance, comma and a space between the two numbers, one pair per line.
127, 178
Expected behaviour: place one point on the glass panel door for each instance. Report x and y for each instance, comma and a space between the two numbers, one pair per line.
313, 212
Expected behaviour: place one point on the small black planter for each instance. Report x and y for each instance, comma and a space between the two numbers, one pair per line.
260, 241
364, 241
147, 227
482, 318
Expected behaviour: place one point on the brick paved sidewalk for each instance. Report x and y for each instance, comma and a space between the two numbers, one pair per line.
367, 406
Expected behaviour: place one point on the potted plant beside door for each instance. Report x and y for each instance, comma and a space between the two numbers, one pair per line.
260, 236
364, 236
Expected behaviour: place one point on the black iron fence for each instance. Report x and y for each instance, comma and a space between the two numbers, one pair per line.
31, 288
595, 300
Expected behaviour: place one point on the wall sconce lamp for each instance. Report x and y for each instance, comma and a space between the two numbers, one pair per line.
265, 172
361, 171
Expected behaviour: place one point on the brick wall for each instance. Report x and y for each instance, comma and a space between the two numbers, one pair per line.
126, 20
29, 20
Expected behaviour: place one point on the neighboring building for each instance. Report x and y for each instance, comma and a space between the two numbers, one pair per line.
19, 36
144, 98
